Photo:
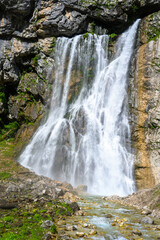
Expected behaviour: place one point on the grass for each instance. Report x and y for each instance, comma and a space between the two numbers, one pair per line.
5, 175
26, 223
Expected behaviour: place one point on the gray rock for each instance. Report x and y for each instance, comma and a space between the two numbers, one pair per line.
74, 206
47, 236
147, 220
92, 232
80, 234
59, 192
71, 228
12, 188
137, 232
47, 224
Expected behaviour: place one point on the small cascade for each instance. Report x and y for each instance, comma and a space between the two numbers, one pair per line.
86, 137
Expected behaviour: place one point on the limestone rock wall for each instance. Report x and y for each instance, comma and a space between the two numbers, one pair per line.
146, 108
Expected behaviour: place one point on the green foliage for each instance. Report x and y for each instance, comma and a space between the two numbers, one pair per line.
135, 8
23, 224
8, 219
35, 60
9, 130
3, 97
5, 175
93, 25
85, 36
156, 64
113, 35
53, 229
153, 31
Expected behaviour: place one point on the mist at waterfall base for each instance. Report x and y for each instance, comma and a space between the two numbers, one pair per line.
86, 137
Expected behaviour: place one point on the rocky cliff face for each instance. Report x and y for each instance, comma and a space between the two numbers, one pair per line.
147, 106
28, 31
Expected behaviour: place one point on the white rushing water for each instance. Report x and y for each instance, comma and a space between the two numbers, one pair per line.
87, 141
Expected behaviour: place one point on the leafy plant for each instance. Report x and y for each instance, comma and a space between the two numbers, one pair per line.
35, 60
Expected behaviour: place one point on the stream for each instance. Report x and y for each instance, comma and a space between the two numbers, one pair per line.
107, 220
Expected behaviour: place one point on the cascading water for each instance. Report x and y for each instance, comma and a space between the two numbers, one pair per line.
87, 141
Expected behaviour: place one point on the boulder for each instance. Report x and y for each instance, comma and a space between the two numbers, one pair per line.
147, 220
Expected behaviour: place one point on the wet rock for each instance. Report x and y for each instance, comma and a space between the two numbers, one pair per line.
146, 211
80, 234
137, 232
80, 213
92, 232
147, 220
158, 227
74, 206
108, 215
85, 225
71, 228
47, 224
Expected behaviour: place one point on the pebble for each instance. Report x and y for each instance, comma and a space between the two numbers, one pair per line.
137, 232
85, 225
80, 234
71, 228
80, 213
92, 232
108, 215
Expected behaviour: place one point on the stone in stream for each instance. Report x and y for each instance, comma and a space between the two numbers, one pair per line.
147, 220
80, 213
92, 232
85, 225
137, 232
74, 206
108, 215
71, 228
80, 234
146, 211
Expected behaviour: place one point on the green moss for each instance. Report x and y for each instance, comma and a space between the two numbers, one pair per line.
135, 8
3, 97
53, 229
153, 31
35, 60
9, 130
156, 64
19, 224
86, 35
5, 175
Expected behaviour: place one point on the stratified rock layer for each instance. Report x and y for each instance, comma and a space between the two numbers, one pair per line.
147, 106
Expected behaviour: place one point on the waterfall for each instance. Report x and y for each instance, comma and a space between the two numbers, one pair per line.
86, 137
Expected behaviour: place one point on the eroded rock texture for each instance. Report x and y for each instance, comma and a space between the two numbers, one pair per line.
146, 108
